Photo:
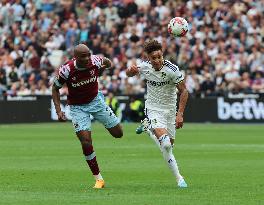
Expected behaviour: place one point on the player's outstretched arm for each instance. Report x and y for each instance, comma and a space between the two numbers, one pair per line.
107, 63
56, 101
132, 71
182, 103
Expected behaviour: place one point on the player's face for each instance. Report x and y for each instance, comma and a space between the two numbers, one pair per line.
83, 59
156, 59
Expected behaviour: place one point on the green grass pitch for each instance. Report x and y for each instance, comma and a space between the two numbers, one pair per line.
43, 164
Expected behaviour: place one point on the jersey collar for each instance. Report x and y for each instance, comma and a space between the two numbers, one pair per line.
76, 67
161, 67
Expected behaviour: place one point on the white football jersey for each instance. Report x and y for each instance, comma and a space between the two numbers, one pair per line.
161, 85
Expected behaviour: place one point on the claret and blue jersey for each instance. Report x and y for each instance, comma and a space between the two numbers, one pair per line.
84, 97
82, 83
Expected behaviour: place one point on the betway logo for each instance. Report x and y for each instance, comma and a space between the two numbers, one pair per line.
84, 82
248, 109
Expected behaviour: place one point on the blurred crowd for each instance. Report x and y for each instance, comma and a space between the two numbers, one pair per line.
222, 53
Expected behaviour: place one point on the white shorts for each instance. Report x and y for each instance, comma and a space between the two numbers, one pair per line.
162, 119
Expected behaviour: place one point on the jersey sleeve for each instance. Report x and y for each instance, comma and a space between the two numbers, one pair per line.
63, 75
176, 75
97, 60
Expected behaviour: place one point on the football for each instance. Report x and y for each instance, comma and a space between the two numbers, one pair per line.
178, 27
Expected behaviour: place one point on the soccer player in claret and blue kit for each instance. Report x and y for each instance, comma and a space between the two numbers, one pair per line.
80, 74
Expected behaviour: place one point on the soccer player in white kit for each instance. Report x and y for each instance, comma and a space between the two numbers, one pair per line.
163, 80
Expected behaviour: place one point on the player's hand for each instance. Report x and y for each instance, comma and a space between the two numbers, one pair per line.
61, 116
133, 70
179, 121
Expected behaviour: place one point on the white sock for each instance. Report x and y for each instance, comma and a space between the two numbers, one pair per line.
98, 176
164, 141
170, 159
167, 152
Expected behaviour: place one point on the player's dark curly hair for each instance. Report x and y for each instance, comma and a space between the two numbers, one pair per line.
152, 45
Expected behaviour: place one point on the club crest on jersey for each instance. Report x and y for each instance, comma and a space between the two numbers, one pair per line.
147, 73
73, 78
163, 75
92, 72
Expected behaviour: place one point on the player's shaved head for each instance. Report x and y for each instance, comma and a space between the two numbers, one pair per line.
82, 55
81, 49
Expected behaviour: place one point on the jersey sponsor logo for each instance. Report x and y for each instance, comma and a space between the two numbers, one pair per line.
154, 83
247, 109
84, 82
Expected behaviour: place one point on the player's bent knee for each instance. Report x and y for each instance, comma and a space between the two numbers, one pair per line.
116, 131
119, 134
167, 146
165, 142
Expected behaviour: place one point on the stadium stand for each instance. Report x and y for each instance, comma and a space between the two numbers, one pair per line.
223, 52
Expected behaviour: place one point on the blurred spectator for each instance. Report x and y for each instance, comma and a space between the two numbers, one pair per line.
3, 81
113, 103
13, 90
192, 82
208, 85
232, 78
18, 11
220, 83
17, 55
94, 12
258, 83
245, 83
81, 10
135, 110
13, 77
23, 90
